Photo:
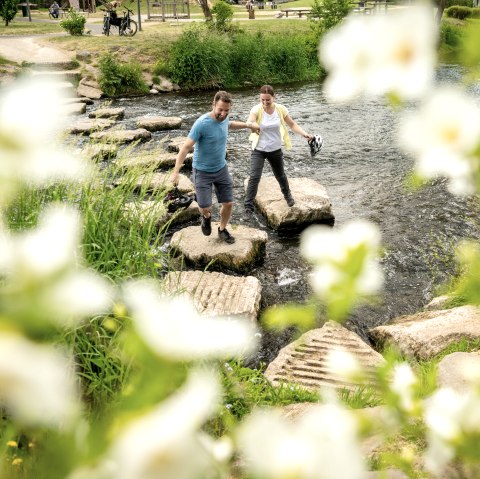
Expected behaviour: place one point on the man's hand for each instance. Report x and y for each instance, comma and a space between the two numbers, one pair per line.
174, 178
254, 127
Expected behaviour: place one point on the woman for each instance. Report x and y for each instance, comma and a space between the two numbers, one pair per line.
273, 120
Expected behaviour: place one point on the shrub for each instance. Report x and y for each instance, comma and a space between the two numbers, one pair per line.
207, 59
120, 79
476, 12
74, 23
8, 10
223, 16
200, 59
450, 34
459, 12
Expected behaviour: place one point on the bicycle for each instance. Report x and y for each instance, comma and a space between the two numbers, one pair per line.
126, 26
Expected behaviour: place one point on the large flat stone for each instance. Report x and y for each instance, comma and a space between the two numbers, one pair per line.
156, 211
88, 126
304, 362
151, 160
121, 136
312, 204
218, 294
99, 151
159, 123
74, 109
176, 143
201, 250
424, 335
110, 113
454, 370
161, 181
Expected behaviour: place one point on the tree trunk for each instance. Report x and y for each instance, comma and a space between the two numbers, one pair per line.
206, 10
441, 8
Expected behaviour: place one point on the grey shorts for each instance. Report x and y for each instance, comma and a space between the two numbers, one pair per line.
220, 180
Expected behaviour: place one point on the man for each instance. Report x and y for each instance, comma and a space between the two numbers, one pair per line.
54, 9
208, 137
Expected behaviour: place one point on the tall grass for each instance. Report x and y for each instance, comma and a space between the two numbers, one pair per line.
115, 243
206, 59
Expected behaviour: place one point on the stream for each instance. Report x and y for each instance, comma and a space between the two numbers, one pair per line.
364, 173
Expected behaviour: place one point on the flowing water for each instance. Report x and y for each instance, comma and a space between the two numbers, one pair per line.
364, 174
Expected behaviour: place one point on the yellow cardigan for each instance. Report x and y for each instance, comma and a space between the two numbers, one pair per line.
282, 113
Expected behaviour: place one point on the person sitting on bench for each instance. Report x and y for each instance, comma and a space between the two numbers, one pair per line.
54, 9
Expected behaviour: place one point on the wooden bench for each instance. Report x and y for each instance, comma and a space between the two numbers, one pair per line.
299, 11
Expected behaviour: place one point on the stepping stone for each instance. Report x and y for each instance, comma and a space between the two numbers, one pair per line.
86, 126
176, 143
121, 136
201, 250
74, 109
77, 99
89, 92
110, 113
158, 123
157, 212
99, 151
66, 75
161, 181
455, 370
303, 362
152, 160
218, 294
312, 204
424, 335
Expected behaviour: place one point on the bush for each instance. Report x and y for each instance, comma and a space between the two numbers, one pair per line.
74, 23
459, 12
476, 12
208, 59
120, 79
223, 16
450, 35
200, 59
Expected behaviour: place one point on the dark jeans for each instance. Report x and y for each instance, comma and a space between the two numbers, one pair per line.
257, 160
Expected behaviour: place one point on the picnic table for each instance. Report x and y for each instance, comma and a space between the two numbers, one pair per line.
298, 10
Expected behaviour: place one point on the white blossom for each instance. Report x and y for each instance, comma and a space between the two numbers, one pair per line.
334, 251
36, 385
164, 443
377, 55
44, 274
344, 364
443, 135
321, 444
31, 118
402, 383
174, 329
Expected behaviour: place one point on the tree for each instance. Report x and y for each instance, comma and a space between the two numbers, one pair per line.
8, 10
205, 8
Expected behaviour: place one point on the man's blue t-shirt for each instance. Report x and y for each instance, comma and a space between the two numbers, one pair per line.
210, 138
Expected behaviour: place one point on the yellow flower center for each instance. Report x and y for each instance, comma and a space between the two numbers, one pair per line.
450, 134
404, 53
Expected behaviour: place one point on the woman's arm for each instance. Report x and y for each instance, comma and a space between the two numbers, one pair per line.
297, 128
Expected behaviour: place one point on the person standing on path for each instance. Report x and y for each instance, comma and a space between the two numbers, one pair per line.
208, 137
272, 119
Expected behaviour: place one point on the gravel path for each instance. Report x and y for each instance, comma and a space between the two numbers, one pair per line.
19, 49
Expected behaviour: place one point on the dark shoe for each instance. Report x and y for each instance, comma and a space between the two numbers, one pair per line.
290, 201
224, 235
249, 213
207, 225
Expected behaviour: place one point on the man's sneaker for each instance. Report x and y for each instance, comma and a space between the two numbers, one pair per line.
290, 201
207, 225
224, 235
